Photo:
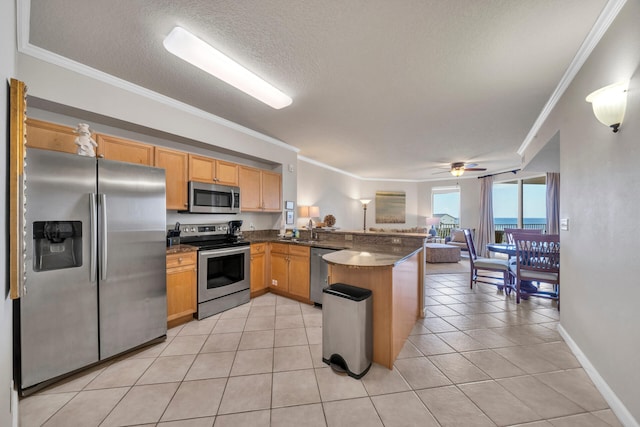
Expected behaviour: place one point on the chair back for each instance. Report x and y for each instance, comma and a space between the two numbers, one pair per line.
537, 253
508, 232
470, 247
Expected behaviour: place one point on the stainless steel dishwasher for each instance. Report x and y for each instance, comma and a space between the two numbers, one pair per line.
319, 271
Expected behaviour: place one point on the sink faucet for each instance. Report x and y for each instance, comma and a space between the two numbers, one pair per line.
314, 235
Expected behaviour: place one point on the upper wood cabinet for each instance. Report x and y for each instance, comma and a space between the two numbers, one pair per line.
260, 190
213, 171
50, 136
271, 191
124, 150
175, 163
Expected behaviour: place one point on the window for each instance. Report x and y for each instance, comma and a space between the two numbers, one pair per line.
445, 204
520, 203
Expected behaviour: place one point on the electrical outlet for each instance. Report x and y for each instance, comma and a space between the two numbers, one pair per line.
348, 237
274, 282
396, 240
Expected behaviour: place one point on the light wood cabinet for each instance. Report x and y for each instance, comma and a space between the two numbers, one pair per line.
271, 191
212, 171
260, 190
290, 270
226, 173
181, 287
258, 269
124, 150
50, 136
175, 164
299, 265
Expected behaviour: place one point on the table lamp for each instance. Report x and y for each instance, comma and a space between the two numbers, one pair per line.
433, 221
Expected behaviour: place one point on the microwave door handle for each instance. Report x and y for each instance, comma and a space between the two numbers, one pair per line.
233, 199
93, 228
103, 237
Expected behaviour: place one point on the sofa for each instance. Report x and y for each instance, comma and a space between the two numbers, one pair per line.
456, 238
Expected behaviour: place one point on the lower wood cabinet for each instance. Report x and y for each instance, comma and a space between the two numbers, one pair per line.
258, 269
182, 288
290, 270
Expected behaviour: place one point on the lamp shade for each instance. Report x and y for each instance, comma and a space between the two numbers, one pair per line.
303, 211
609, 104
314, 211
365, 201
433, 221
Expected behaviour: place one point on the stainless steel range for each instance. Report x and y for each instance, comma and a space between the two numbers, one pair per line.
223, 265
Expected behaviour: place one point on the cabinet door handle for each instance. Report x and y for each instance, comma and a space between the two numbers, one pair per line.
180, 259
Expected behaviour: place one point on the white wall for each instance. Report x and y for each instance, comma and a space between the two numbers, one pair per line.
599, 194
333, 192
7, 70
114, 110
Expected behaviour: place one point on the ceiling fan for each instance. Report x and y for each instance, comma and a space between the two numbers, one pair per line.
458, 168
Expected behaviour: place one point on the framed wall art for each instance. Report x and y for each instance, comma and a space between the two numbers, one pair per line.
390, 207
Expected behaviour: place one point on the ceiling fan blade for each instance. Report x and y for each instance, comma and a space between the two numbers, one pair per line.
475, 169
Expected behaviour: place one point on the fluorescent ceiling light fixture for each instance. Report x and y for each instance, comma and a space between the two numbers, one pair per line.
195, 51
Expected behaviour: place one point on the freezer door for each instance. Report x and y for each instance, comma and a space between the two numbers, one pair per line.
58, 313
132, 255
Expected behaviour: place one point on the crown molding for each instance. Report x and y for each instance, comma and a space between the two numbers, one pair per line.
26, 48
608, 14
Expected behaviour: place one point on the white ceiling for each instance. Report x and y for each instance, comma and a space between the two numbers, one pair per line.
381, 89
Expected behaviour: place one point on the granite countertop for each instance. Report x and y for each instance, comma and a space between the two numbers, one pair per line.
364, 258
178, 249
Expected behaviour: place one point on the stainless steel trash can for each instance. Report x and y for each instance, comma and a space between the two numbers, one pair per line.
347, 333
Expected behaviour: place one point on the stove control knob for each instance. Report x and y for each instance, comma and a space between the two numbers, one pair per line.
193, 229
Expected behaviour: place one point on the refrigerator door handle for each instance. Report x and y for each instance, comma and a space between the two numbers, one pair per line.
93, 227
103, 237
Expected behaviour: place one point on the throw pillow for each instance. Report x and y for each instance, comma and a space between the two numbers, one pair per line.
458, 236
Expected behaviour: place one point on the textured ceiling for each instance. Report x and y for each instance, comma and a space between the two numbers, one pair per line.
381, 89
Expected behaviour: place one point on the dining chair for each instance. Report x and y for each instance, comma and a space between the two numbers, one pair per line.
486, 264
537, 260
508, 232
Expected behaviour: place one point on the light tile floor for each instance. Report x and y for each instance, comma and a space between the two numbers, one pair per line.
476, 359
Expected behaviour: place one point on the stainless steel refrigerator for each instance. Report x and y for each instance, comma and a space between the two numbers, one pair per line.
95, 280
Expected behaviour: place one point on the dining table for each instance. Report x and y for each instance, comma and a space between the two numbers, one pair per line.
510, 251
503, 248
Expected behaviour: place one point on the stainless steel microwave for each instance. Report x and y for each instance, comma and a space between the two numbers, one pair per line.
213, 198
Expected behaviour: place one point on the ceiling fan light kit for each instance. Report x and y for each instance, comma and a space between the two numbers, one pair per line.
458, 168
197, 52
609, 104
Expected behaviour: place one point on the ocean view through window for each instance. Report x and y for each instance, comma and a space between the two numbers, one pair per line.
520, 204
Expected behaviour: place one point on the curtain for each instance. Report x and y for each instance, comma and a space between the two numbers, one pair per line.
486, 231
553, 203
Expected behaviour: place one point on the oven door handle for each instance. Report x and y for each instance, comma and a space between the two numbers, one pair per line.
224, 251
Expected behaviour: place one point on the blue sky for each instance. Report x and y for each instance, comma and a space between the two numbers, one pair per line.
505, 202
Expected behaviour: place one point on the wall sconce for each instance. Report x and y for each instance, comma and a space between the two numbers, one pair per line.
433, 221
609, 104
365, 202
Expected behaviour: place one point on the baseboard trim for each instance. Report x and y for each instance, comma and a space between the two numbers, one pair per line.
612, 399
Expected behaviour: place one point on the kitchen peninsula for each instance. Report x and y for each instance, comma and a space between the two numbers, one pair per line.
396, 279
